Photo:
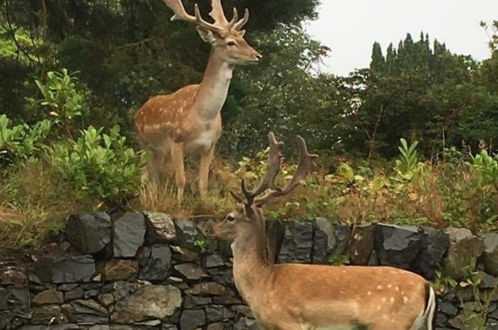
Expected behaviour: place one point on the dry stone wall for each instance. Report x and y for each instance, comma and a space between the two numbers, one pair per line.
149, 271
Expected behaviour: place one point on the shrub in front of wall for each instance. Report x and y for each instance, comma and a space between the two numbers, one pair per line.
99, 164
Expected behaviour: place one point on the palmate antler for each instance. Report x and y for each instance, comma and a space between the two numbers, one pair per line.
267, 183
221, 25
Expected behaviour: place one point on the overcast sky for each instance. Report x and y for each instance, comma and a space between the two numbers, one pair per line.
349, 27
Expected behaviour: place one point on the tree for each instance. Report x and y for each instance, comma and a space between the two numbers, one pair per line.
415, 95
124, 51
283, 95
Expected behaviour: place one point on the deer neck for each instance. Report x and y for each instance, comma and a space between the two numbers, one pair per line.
250, 263
213, 89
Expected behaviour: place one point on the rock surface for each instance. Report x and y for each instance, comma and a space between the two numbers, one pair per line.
190, 271
120, 269
297, 244
89, 232
47, 314
398, 245
162, 286
186, 233
149, 302
155, 262
434, 246
490, 255
15, 276
86, 311
192, 319
361, 244
465, 249
65, 270
50, 296
129, 234
160, 228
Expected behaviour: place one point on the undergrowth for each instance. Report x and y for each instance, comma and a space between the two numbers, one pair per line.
56, 167
35, 198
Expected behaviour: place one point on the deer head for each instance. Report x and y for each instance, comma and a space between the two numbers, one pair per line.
226, 37
248, 212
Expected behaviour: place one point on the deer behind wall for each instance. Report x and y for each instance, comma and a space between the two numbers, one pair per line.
314, 297
188, 121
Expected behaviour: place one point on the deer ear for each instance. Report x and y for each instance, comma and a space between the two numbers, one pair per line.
206, 35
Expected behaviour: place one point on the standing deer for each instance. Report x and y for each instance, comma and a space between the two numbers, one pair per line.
188, 122
306, 297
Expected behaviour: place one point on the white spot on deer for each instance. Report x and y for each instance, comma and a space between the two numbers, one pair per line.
383, 299
396, 288
405, 299
369, 293
391, 300
379, 287
389, 286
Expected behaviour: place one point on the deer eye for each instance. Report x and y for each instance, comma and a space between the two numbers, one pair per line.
231, 43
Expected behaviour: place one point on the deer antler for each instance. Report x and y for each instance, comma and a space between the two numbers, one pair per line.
220, 25
268, 181
305, 165
220, 19
181, 14
217, 13
240, 24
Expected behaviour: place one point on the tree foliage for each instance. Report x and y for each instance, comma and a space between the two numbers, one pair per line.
421, 90
124, 51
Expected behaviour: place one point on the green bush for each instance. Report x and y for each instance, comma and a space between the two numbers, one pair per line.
407, 165
99, 164
485, 187
21, 142
486, 168
62, 98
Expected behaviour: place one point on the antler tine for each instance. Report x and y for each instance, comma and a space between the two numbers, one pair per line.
181, 14
217, 13
268, 181
235, 18
305, 166
240, 24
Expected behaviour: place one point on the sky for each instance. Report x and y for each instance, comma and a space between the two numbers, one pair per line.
350, 27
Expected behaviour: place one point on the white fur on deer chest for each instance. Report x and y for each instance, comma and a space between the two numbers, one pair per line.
213, 98
203, 141
218, 97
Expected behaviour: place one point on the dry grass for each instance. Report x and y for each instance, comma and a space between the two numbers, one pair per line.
440, 196
161, 197
33, 204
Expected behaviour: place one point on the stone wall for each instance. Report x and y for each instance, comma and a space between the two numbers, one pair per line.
148, 271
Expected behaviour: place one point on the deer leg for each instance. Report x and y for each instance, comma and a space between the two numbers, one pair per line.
152, 171
205, 163
179, 166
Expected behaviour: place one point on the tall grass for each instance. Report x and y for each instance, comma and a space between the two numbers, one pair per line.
34, 201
